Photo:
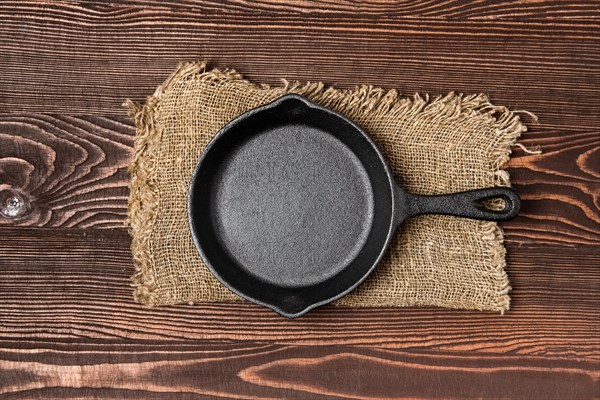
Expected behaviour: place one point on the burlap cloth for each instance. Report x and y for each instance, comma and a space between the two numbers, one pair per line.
434, 146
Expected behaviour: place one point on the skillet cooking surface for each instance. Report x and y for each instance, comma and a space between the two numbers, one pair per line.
292, 204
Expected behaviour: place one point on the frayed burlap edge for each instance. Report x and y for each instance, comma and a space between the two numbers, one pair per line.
362, 99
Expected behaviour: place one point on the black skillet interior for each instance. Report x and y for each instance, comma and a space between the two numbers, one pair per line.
292, 205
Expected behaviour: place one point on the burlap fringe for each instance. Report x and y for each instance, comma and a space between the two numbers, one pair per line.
142, 198
367, 99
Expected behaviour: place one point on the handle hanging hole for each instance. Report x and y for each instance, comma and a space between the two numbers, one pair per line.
494, 204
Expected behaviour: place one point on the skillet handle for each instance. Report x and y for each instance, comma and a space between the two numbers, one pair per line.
467, 204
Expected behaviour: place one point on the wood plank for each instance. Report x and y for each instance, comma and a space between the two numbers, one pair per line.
449, 9
183, 370
69, 284
99, 55
560, 188
73, 171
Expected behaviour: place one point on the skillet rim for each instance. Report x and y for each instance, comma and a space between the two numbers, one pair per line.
394, 190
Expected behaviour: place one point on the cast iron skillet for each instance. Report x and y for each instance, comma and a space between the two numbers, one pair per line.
292, 205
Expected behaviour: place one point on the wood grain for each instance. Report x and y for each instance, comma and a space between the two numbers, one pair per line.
448, 9
267, 371
73, 171
100, 55
560, 188
67, 284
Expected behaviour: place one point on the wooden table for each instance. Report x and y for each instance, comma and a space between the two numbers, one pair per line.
68, 325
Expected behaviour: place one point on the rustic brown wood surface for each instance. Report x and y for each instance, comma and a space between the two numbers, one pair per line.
68, 325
